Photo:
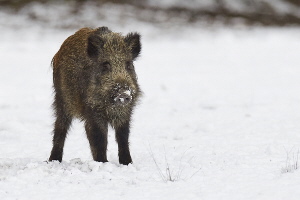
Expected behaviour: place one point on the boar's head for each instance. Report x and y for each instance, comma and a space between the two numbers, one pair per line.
113, 89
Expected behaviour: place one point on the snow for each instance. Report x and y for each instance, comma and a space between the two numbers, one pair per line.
128, 92
220, 112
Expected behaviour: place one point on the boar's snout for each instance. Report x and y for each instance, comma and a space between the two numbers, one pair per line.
123, 98
122, 95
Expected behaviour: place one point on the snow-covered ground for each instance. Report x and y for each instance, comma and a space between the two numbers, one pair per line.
220, 112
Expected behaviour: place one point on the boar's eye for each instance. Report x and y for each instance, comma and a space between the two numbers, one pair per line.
129, 66
105, 67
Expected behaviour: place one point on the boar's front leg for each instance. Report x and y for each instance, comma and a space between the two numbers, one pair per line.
97, 136
122, 135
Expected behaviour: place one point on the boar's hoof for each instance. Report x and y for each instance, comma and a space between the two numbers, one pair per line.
125, 159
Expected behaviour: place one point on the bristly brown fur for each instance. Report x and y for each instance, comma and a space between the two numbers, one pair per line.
89, 70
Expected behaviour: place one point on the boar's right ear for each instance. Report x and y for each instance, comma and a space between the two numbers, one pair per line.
102, 30
95, 43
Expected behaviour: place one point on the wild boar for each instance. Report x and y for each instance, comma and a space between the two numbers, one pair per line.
94, 80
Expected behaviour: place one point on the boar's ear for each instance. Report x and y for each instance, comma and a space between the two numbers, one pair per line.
95, 43
102, 30
133, 41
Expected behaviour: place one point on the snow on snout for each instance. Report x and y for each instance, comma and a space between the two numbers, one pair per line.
128, 92
123, 96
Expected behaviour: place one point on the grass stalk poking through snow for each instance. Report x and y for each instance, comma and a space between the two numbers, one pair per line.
167, 173
292, 161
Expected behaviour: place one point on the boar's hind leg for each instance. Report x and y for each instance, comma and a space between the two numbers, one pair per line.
97, 136
61, 127
122, 135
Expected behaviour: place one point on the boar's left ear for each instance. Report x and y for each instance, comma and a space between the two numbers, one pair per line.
133, 41
95, 43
